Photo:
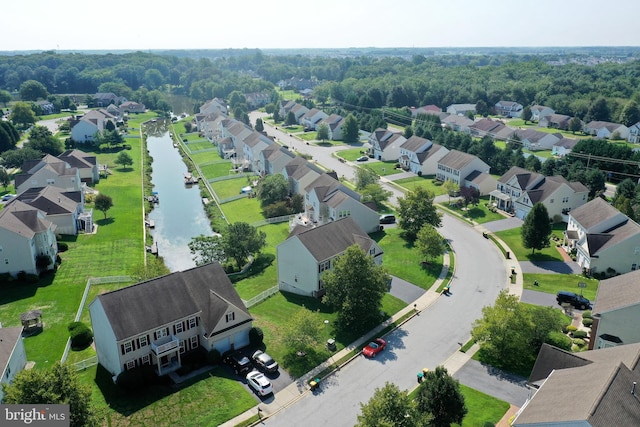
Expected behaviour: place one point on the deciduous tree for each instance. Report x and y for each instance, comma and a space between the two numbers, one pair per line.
416, 209
103, 203
440, 398
355, 287
323, 131
470, 196
31, 90
304, 329
41, 139
271, 189
123, 159
207, 249
376, 194
536, 228
388, 407
259, 125
22, 115
242, 240
429, 242
364, 177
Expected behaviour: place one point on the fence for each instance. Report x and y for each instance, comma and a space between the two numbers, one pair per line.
86, 363
274, 220
261, 297
234, 176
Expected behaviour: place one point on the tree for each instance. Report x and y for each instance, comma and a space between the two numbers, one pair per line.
451, 187
56, 385
575, 125
41, 139
5, 96
22, 115
207, 249
429, 242
272, 188
355, 287
533, 163
323, 132
470, 196
5, 178
242, 240
15, 158
350, 129
526, 114
595, 180
103, 203
375, 193
31, 90
259, 125
408, 132
440, 398
630, 114
364, 177
123, 159
291, 119
388, 407
599, 110
304, 329
416, 209
536, 228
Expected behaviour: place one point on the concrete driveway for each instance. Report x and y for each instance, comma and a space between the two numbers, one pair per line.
494, 382
503, 224
407, 292
550, 267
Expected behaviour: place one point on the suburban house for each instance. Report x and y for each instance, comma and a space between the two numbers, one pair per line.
605, 379
327, 199
256, 100
49, 170
215, 105
563, 147
486, 127
519, 189
533, 140
334, 122
605, 130
461, 109
604, 238
385, 145
300, 173
103, 99
27, 239
274, 158
157, 321
556, 121
65, 209
457, 122
13, 356
457, 166
308, 252
421, 156
87, 165
505, 133
427, 109
298, 110
47, 107
634, 133
132, 107
252, 147
91, 124
312, 118
615, 311
540, 111
508, 108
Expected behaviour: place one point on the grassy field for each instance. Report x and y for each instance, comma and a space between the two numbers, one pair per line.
513, 239
351, 154
200, 145
382, 168
229, 187
479, 213
215, 170
552, 283
243, 210
422, 181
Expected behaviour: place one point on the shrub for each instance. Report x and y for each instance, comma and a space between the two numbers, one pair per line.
276, 209
587, 322
559, 340
587, 314
256, 336
571, 328
63, 247
214, 357
579, 342
81, 335
580, 334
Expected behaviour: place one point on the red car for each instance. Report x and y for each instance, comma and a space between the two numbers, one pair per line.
374, 347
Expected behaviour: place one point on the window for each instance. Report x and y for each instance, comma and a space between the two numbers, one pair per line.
143, 341
131, 364
372, 251
183, 346
636, 250
51, 181
178, 327
324, 266
146, 360
192, 322
194, 342
161, 333
231, 317
634, 267
6, 260
565, 200
551, 201
128, 347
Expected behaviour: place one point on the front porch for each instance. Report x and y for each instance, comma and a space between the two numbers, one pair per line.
502, 201
165, 355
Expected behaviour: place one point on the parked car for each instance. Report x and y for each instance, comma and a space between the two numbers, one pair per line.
387, 219
264, 362
7, 197
362, 159
374, 347
238, 362
577, 301
259, 383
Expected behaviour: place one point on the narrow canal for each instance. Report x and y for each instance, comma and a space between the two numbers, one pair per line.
179, 216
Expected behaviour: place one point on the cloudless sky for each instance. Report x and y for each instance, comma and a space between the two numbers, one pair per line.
215, 24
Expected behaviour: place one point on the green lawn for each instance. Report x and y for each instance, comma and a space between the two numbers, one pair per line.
382, 168
243, 210
403, 260
351, 154
308, 136
229, 187
216, 170
427, 182
206, 157
552, 283
479, 213
513, 239
289, 95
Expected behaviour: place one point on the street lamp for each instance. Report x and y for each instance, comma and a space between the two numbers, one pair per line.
326, 329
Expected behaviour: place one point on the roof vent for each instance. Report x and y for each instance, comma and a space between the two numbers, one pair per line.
633, 388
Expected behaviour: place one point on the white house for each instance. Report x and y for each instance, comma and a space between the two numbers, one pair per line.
421, 156
461, 109
508, 108
27, 239
464, 169
65, 209
486, 127
334, 122
87, 165
132, 107
13, 356
156, 322
457, 123
604, 238
48, 171
90, 125
605, 130
308, 252
274, 158
533, 140
556, 121
616, 308
252, 147
634, 133
312, 118
300, 173
563, 147
385, 144
539, 111
215, 105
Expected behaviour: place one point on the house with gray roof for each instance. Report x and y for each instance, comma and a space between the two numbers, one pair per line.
463, 168
421, 156
252, 145
334, 122
385, 144
312, 118
158, 321
605, 379
604, 238
563, 147
27, 239
457, 123
616, 307
87, 164
461, 109
540, 111
556, 121
49, 170
486, 127
215, 105
508, 108
634, 133
13, 356
300, 173
308, 252
65, 209
605, 130
90, 125
534, 140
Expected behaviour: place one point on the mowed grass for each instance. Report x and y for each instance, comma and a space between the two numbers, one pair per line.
243, 210
421, 181
206, 157
351, 154
404, 260
552, 283
479, 213
229, 187
216, 170
513, 239
200, 145
382, 168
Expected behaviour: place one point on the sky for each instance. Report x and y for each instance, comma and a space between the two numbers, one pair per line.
210, 24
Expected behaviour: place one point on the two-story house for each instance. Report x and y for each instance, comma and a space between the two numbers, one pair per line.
540, 111
308, 252
252, 147
214, 105
534, 140
461, 109
300, 173
457, 123
49, 170
334, 123
87, 165
563, 147
13, 356
486, 127
606, 130
94, 122
426, 109
463, 168
634, 133
157, 321
27, 239
312, 118
508, 108
556, 121
65, 209
385, 144
421, 156
132, 107
604, 238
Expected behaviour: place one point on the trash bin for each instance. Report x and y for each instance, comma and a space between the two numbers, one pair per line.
507, 254
331, 344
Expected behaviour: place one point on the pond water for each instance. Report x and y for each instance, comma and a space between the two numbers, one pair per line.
180, 215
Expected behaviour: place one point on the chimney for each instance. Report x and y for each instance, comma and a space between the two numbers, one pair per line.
633, 388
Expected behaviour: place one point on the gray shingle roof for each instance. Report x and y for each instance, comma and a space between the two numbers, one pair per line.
618, 292
414, 143
456, 160
593, 213
8, 339
22, 219
147, 305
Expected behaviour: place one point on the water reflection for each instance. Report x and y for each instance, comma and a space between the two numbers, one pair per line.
180, 215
